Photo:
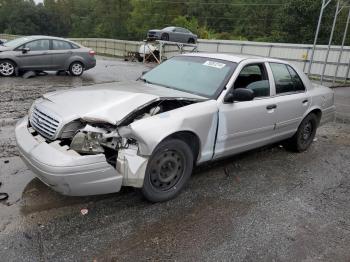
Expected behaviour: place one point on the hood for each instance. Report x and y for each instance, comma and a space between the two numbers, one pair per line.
154, 30
5, 48
109, 103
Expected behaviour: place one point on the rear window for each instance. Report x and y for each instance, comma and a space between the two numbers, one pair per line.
61, 45
286, 79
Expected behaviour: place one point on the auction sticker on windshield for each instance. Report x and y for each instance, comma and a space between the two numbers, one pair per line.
214, 64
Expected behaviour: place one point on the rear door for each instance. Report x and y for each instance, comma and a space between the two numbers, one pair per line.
61, 52
179, 35
38, 56
291, 99
250, 124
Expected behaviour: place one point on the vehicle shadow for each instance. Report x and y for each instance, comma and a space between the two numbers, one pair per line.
37, 197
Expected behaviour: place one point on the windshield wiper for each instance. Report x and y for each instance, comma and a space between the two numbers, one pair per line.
145, 81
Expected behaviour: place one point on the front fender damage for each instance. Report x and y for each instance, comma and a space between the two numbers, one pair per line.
122, 149
132, 167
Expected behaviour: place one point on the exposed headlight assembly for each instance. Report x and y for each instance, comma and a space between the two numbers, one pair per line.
87, 143
94, 140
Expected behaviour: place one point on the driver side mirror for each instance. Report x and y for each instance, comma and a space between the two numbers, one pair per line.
239, 95
25, 50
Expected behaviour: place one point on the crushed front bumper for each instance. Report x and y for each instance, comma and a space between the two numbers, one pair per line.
65, 170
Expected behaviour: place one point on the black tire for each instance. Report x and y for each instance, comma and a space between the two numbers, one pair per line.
165, 37
76, 69
168, 170
304, 136
191, 41
7, 68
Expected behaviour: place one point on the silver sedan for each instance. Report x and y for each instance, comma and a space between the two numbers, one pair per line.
173, 34
44, 53
150, 133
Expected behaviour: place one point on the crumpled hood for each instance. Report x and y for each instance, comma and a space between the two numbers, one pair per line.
109, 103
5, 48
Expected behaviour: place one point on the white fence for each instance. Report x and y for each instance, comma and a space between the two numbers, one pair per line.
295, 53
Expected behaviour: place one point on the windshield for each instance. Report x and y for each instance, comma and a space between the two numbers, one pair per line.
17, 42
169, 28
196, 75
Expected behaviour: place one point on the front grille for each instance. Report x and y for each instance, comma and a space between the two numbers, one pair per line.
152, 34
44, 123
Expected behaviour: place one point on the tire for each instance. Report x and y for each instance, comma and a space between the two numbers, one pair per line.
7, 68
76, 69
168, 170
165, 37
304, 136
191, 41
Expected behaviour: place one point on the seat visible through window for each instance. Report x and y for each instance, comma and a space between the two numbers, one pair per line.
254, 77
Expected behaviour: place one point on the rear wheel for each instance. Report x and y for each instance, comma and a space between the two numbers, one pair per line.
305, 134
7, 68
168, 170
76, 69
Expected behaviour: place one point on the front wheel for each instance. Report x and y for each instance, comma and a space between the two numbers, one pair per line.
168, 170
76, 69
7, 68
191, 41
305, 134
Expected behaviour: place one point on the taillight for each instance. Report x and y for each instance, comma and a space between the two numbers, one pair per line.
92, 52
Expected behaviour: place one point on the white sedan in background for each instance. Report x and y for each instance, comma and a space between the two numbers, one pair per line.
150, 133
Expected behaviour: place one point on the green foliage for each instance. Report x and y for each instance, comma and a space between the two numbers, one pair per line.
291, 21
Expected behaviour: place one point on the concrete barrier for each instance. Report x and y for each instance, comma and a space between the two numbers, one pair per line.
297, 54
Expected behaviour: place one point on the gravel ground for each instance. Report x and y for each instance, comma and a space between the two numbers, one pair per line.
271, 205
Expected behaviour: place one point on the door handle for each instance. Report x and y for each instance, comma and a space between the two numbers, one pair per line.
305, 101
269, 107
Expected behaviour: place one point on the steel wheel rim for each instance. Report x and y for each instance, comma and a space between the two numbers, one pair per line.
306, 132
6, 68
77, 69
167, 169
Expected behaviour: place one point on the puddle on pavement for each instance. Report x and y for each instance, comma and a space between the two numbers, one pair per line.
28, 195
198, 228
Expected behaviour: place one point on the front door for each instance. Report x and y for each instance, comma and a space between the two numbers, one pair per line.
249, 124
37, 56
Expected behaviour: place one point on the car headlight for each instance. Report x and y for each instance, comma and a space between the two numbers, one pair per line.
31, 109
87, 143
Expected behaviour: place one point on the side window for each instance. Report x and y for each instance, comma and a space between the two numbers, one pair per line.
298, 83
75, 46
254, 77
180, 30
286, 79
38, 45
61, 45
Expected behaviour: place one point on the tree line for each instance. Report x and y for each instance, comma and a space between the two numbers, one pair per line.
290, 21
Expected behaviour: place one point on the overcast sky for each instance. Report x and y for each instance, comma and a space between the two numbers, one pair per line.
38, 1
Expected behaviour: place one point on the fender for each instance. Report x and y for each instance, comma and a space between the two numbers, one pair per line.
199, 118
74, 59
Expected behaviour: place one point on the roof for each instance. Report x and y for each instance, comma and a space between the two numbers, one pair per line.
33, 37
229, 57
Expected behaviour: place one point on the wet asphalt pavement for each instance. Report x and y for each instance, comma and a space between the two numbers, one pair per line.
270, 205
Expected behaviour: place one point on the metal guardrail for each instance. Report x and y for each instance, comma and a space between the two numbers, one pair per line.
295, 53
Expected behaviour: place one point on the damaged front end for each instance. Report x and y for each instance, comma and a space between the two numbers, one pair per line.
88, 136
120, 152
